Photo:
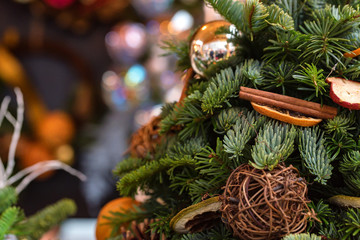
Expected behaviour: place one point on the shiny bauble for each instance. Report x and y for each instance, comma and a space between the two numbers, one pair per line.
208, 47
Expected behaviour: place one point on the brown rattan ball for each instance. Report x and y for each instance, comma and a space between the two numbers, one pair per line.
145, 139
263, 204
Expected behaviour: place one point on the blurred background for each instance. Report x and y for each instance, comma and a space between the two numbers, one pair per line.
91, 72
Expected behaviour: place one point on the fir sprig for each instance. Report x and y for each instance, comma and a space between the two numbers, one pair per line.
350, 226
47, 218
227, 118
236, 138
7, 219
274, 143
221, 88
278, 75
127, 165
312, 77
284, 47
314, 154
8, 197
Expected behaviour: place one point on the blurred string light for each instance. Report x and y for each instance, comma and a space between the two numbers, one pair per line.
126, 42
127, 90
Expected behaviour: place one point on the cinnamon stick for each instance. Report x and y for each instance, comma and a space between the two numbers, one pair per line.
286, 105
291, 100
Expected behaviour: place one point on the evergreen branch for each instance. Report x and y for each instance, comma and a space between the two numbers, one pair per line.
244, 129
302, 236
251, 70
285, 47
127, 165
181, 51
350, 226
314, 154
221, 88
227, 118
213, 169
350, 169
48, 217
166, 109
8, 197
340, 144
233, 11
218, 232
7, 219
129, 183
352, 71
191, 147
323, 213
279, 19
274, 143
294, 8
312, 77
278, 75
340, 125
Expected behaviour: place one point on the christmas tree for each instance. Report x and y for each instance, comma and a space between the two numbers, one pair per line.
264, 142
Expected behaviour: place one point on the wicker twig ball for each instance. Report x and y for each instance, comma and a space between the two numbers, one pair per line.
262, 204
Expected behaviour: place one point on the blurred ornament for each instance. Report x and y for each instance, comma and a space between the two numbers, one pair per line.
180, 22
59, 4
126, 90
208, 47
126, 42
151, 8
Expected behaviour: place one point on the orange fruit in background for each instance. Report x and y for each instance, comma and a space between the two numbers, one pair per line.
285, 117
55, 129
33, 153
122, 204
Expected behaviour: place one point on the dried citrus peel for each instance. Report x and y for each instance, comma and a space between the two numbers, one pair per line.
179, 222
345, 201
352, 54
285, 117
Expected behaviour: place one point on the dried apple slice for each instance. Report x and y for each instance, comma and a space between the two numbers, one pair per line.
345, 92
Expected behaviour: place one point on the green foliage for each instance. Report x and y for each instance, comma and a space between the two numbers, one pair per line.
8, 197
140, 177
351, 224
284, 47
7, 219
312, 77
279, 19
278, 75
302, 236
314, 154
47, 218
245, 128
274, 143
226, 119
127, 165
181, 50
221, 88
350, 169
218, 232
323, 213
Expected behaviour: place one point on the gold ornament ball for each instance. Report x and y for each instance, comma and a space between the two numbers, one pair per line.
209, 46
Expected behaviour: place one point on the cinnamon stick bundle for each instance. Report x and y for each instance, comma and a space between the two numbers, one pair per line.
294, 104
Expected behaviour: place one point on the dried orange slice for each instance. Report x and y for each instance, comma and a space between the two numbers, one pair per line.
352, 54
285, 116
345, 201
